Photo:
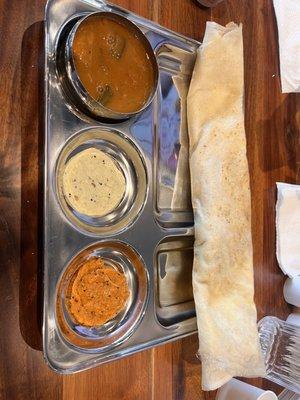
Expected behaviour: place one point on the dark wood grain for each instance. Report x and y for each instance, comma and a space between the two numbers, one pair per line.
23, 371
272, 124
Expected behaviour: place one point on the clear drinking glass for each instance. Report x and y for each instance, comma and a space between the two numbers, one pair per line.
288, 395
280, 342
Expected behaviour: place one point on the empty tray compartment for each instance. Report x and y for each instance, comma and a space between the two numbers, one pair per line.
171, 159
174, 291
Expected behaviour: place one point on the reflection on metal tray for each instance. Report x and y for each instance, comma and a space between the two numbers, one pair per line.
173, 267
151, 231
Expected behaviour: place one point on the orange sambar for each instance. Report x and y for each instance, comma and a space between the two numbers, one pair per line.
112, 63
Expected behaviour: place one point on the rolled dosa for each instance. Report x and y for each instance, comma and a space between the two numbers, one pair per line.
223, 266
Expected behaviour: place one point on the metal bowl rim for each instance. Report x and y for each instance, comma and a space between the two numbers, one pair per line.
85, 97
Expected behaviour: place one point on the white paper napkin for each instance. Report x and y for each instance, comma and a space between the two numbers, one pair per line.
288, 228
288, 22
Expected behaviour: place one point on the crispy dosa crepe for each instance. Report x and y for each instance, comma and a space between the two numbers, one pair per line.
223, 266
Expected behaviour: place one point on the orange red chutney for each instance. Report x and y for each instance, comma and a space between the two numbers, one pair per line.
97, 294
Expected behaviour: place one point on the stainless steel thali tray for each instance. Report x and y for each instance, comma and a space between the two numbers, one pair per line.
151, 238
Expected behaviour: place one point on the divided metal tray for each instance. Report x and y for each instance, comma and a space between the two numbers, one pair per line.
150, 237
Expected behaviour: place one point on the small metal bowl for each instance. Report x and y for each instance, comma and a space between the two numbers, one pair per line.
122, 257
91, 104
131, 163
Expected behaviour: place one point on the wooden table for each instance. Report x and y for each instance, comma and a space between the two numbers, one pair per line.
272, 124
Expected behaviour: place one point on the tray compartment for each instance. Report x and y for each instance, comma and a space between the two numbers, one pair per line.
73, 89
131, 163
173, 266
172, 184
122, 257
